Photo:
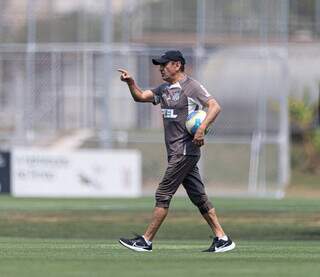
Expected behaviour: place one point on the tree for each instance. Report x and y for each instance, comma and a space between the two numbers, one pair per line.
303, 115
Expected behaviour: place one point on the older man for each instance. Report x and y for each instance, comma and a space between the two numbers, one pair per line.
179, 95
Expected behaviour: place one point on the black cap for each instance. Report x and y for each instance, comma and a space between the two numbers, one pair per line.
168, 56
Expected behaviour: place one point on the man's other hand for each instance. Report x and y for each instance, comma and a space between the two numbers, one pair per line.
198, 138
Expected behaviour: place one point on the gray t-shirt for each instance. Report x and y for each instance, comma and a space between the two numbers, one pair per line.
177, 101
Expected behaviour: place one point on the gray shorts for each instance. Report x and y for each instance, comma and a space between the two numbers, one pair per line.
183, 170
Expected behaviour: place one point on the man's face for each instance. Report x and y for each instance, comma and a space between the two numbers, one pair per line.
169, 70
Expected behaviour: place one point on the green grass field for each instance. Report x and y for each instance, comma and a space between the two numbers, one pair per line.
64, 237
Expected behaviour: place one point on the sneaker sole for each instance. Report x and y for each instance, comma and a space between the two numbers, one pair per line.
137, 249
225, 249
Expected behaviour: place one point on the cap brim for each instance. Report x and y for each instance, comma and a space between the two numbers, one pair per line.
159, 61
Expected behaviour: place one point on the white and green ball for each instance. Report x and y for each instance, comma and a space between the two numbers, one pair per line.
194, 120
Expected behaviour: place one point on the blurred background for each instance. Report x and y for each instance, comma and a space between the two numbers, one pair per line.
60, 91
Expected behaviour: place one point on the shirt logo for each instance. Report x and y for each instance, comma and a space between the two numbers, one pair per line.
170, 95
175, 96
168, 113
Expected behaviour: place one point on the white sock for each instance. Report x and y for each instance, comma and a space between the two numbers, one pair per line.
147, 241
225, 238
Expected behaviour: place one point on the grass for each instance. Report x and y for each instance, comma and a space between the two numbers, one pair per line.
78, 237
52, 257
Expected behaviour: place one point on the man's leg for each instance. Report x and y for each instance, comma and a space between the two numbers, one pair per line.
159, 214
212, 219
178, 168
196, 192
199, 198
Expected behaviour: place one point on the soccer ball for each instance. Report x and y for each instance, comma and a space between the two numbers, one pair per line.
194, 120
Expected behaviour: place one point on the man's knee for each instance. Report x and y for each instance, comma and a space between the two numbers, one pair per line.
203, 204
162, 200
205, 207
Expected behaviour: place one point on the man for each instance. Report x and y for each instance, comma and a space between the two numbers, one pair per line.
179, 96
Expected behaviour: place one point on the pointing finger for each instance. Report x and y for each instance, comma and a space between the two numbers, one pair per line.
122, 71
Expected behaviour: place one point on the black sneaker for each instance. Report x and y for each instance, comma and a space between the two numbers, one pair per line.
137, 244
220, 245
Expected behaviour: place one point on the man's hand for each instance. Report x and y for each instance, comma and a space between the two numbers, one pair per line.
137, 93
125, 77
198, 138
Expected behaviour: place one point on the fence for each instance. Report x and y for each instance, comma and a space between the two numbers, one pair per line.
53, 84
